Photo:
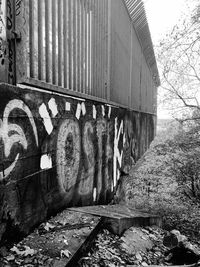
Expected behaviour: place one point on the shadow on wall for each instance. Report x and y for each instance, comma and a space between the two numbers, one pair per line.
59, 151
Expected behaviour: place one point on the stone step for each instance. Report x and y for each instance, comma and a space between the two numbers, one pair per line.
118, 218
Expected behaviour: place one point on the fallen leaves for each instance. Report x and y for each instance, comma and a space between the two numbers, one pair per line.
49, 227
65, 253
26, 252
108, 252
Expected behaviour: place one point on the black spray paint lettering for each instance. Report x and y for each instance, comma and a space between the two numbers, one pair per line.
18, 7
68, 154
87, 176
9, 15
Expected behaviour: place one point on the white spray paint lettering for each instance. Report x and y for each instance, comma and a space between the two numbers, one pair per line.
83, 109
117, 154
53, 107
46, 162
78, 111
94, 194
103, 111
109, 112
46, 118
18, 135
94, 112
67, 106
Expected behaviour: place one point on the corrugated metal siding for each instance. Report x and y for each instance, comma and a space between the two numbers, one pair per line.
99, 48
68, 44
120, 53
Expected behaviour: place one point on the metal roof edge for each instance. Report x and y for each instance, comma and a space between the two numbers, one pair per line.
138, 16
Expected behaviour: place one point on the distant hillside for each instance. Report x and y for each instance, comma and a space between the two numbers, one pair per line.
167, 126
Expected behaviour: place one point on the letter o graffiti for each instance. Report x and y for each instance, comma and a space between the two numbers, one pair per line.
68, 154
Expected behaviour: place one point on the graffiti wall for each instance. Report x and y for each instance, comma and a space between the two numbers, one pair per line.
59, 151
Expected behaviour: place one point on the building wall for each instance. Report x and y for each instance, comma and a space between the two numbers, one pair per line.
59, 151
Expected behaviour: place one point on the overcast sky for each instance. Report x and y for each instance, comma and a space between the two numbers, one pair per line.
162, 16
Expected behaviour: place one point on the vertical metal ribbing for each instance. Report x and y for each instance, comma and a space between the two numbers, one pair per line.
101, 47
78, 45
70, 43
65, 41
32, 38
74, 44
94, 60
54, 42
40, 41
60, 42
82, 46
48, 40
98, 51
109, 26
89, 47
105, 47
92, 44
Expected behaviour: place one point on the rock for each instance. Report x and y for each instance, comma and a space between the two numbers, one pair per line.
144, 264
138, 256
3, 252
132, 242
173, 238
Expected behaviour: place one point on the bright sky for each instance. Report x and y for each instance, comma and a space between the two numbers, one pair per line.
162, 16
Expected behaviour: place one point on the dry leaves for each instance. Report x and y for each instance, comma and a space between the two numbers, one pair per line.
26, 252
65, 253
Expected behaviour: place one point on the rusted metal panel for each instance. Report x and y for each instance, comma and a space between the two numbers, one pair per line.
3, 43
36, 179
121, 53
8, 37
82, 46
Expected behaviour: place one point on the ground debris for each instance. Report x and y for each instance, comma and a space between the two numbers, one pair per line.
53, 244
138, 246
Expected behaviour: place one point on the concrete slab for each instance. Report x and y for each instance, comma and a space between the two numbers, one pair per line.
118, 218
58, 243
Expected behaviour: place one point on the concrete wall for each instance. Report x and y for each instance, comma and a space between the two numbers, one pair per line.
59, 151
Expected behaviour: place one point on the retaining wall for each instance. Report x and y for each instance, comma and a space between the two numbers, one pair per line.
58, 151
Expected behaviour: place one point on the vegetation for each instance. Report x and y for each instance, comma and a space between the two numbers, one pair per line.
178, 56
166, 180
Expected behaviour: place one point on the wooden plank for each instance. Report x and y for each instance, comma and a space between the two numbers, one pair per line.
118, 218
69, 231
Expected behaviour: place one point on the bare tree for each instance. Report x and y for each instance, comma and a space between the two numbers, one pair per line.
179, 63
